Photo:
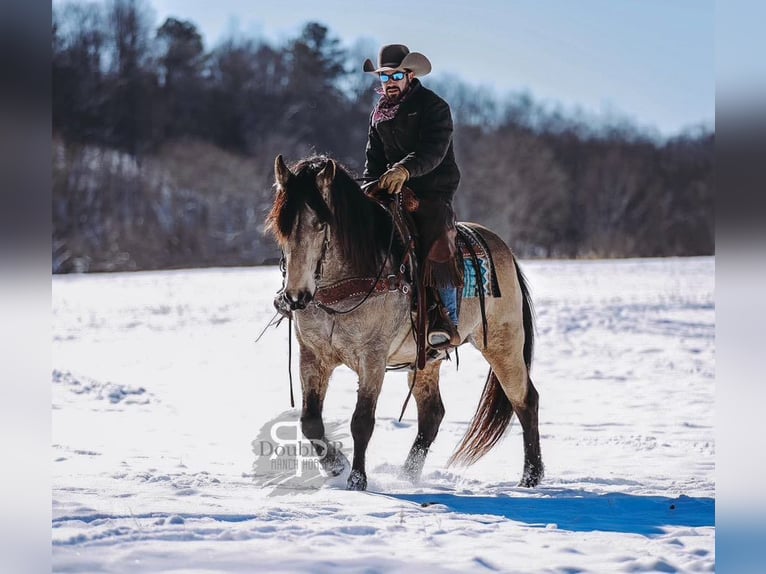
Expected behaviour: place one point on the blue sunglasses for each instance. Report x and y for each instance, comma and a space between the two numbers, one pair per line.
396, 76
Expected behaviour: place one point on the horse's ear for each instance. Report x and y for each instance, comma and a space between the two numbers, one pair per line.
326, 176
281, 172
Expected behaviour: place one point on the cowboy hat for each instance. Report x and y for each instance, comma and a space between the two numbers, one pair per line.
398, 56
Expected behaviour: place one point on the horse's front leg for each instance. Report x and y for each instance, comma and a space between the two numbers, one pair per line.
315, 377
362, 423
430, 415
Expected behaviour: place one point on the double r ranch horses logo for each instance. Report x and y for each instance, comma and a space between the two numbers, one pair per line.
287, 460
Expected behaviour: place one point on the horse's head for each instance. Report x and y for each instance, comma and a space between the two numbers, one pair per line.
300, 220
325, 225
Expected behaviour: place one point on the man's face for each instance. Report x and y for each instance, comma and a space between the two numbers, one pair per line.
394, 87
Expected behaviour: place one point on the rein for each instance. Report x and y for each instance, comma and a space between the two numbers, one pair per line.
328, 309
350, 287
317, 274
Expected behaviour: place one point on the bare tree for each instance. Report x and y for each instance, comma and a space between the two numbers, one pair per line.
132, 83
78, 71
180, 67
163, 150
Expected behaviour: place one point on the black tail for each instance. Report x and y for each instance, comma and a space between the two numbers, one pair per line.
494, 413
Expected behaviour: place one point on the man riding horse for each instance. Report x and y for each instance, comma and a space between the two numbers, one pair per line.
332, 235
410, 141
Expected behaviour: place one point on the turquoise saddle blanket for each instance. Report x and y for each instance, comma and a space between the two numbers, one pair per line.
469, 241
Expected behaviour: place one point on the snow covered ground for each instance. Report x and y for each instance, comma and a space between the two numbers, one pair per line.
159, 390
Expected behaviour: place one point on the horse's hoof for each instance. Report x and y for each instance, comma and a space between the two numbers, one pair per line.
409, 475
357, 481
531, 478
336, 465
413, 466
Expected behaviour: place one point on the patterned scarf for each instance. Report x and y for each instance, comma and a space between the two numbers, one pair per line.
386, 108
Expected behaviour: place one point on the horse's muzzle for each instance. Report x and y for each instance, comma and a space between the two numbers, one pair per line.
297, 301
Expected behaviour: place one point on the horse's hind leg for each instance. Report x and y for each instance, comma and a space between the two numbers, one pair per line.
513, 375
430, 415
315, 377
527, 413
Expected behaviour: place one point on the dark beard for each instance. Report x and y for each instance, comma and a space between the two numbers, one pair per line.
395, 94
387, 107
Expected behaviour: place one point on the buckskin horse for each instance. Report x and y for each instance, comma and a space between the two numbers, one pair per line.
331, 234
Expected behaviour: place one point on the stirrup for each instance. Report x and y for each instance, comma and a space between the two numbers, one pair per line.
439, 338
443, 333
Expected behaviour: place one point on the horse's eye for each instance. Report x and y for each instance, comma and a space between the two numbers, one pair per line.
320, 225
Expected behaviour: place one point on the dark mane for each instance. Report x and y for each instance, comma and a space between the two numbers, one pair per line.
361, 227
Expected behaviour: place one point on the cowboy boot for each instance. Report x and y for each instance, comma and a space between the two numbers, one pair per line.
443, 332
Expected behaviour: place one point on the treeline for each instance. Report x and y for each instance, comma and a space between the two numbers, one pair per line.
163, 150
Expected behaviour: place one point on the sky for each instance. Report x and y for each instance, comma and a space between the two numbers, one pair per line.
651, 61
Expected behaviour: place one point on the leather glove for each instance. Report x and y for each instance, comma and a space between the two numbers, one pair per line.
394, 179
